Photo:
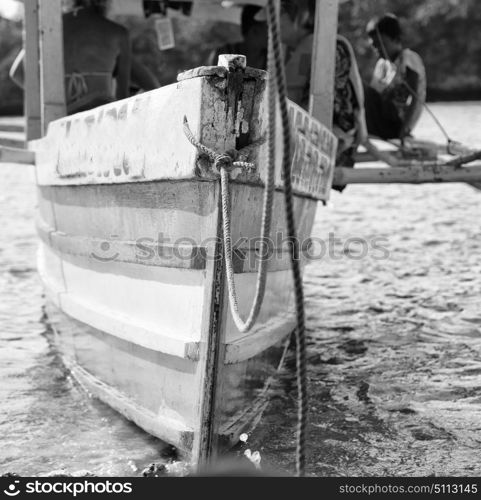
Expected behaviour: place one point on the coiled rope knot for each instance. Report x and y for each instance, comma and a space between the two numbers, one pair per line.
225, 161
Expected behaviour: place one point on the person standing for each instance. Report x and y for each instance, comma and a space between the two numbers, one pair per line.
94, 47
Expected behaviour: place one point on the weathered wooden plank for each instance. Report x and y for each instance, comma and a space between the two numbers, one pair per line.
167, 299
52, 74
219, 71
137, 139
128, 331
162, 213
149, 253
152, 254
409, 175
154, 337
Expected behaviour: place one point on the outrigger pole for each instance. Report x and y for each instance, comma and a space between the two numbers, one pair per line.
418, 174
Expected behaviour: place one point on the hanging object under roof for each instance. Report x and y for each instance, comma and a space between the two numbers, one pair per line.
11, 10
212, 10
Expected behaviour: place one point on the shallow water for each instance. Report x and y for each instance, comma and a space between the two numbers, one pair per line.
394, 342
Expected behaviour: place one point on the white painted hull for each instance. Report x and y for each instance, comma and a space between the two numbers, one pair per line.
131, 259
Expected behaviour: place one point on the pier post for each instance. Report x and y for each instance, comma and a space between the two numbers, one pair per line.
324, 61
32, 71
52, 79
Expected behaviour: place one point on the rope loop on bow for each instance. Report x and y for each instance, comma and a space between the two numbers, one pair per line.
224, 161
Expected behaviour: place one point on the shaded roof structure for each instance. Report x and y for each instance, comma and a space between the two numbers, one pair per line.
221, 10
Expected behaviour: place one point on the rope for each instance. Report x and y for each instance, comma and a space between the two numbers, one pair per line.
225, 163
279, 71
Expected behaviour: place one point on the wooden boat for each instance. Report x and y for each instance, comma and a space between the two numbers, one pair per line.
131, 261
130, 226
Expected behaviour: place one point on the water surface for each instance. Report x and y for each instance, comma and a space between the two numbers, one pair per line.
394, 342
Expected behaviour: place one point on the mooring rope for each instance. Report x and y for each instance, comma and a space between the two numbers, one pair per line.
225, 163
275, 45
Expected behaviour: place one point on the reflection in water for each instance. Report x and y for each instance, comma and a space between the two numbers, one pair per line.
394, 347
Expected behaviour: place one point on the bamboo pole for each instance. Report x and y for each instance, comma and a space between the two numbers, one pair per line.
421, 174
323, 61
